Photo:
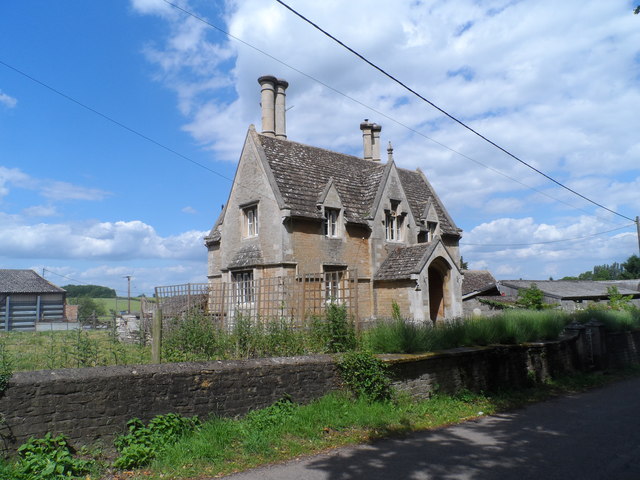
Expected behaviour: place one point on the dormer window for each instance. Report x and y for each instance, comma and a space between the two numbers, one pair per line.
431, 231
331, 225
393, 223
250, 220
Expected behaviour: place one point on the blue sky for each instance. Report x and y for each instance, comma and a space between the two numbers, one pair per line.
85, 199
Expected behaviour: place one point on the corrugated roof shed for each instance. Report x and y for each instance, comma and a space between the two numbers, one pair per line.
25, 281
570, 289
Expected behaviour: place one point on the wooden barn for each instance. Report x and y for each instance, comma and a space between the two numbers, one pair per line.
27, 299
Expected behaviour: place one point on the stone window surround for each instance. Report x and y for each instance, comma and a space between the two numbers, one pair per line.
394, 222
331, 222
250, 220
243, 287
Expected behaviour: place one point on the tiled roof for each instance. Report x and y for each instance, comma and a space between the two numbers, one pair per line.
25, 281
419, 195
302, 172
570, 288
477, 281
402, 262
247, 256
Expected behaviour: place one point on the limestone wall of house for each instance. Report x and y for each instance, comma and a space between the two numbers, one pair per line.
251, 186
398, 291
313, 250
392, 190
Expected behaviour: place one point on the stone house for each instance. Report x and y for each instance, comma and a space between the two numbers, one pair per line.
27, 299
319, 220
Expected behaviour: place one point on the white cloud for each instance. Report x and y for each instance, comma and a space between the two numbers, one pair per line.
98, 240
50, 189
66, 191
40, 211
190, 210
7, 100
511, 247
556, 84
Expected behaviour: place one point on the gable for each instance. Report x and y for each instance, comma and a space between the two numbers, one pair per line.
302, 172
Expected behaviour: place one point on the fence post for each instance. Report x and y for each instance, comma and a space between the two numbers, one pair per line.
223, 322
355, 285
156, 334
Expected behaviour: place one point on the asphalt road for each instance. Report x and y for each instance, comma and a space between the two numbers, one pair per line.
594, 435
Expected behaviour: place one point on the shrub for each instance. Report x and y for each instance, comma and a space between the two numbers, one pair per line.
532, 298
336, 332
49, 458
143, 443
6, 366
365, 375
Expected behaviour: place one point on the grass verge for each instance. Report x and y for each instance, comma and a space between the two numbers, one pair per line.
223, 446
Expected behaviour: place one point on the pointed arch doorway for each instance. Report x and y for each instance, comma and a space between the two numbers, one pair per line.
438, 278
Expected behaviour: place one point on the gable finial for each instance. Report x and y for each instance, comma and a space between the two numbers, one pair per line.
390, 152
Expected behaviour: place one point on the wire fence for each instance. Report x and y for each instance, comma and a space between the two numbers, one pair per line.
74, 344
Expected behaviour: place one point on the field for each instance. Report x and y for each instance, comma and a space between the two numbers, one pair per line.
118, 304
68, 349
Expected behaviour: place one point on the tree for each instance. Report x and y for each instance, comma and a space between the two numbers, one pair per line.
88, 307
637, 10
632, 265
615, 271
94, 291
531, 298
463, 265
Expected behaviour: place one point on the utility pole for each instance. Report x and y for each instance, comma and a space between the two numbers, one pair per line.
638, 227
128, 277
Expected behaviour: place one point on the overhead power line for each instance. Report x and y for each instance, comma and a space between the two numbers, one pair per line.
464, 244
157, 143
114, 121
185, 157
372, 109
444, 112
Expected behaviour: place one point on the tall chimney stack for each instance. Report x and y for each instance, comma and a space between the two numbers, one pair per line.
272, 100
281, 109
375, 142
268, 104
366, 138
371, 140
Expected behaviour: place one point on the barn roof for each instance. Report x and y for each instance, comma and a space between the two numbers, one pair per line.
25, 281
477, 281
570, 289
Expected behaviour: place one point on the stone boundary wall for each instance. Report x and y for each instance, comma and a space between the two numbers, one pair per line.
93, 404
487, 368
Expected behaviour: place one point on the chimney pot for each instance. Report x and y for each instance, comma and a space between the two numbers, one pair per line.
280, 109
268, 103
367, 138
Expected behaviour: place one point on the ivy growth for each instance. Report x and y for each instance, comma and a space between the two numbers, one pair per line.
365, 375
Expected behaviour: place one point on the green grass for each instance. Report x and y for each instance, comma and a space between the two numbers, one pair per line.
224, 446
117, 305
70, 349
513, 326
